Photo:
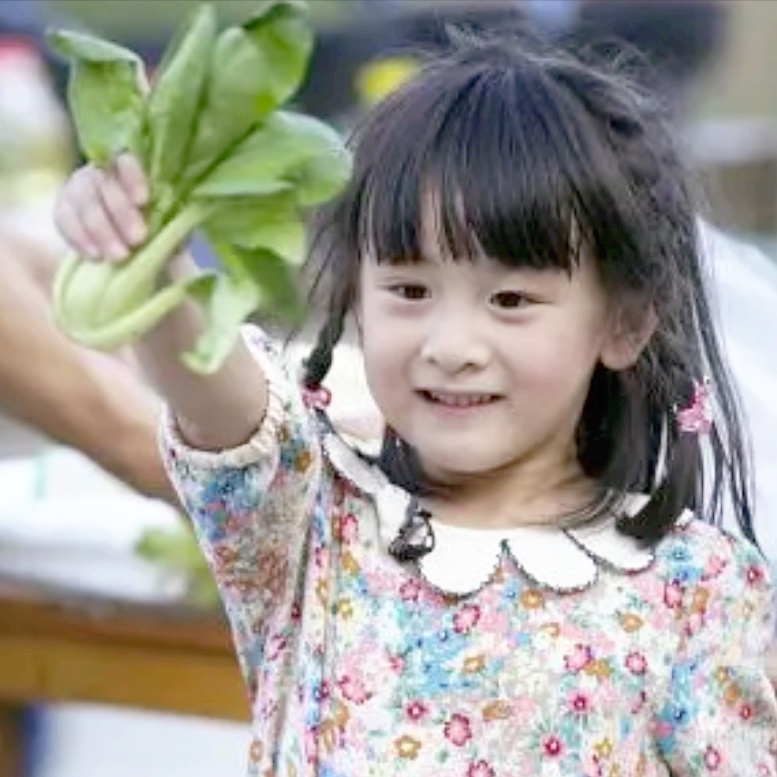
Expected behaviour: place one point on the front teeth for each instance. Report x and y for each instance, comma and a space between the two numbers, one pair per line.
460, 400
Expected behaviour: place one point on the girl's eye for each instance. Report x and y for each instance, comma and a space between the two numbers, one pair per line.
510, 300
411, 291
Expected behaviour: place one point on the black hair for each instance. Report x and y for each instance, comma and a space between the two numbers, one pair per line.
532, 154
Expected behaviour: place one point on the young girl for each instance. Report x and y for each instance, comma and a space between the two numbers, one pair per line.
526, 580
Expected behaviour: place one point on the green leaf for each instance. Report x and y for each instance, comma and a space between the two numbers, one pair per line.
286, 148
227, 301
177, 94
276, 280
271, 222
82, 47
322, 178
238, 185
282, 31
105, 94
253, 69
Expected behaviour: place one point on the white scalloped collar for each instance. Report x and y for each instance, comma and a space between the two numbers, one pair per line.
464, 560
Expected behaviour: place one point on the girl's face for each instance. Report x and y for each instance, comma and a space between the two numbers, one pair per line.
482, 368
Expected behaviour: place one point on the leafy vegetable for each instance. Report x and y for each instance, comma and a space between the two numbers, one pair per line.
221, 154
109, 120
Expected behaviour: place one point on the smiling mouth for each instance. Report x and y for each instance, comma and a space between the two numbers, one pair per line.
458, 400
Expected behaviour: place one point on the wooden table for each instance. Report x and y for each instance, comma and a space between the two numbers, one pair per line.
59, 646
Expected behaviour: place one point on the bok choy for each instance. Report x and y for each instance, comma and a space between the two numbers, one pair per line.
222, 156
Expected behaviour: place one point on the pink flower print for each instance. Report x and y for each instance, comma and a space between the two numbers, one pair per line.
746, 711
579, 702
754, 575
225, 554
268, 708
553, 746
348, 529
636, 663
673, 595
712, 758
236, 521
481, 769
353, 689
396, 664
466, 618
275, 646
458, 730
245, 588
694, 624
524, 705
579, 658
311, 748
416, 710
714, 567
639, 703
224, 560
410, 591
322, 691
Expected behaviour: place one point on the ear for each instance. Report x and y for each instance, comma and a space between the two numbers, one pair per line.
630, 332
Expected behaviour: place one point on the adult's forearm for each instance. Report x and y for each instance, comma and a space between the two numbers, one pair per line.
92, 404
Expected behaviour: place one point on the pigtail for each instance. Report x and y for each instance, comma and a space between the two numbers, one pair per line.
333, 289
675, 492
401, 464
319, 362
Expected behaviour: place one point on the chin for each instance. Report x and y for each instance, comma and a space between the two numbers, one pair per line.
449, 468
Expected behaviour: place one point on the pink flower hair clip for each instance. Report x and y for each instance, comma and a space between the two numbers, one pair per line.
696, 417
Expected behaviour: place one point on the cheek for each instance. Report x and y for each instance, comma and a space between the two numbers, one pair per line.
557, 362
382, 358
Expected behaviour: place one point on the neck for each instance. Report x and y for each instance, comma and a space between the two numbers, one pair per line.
532, 494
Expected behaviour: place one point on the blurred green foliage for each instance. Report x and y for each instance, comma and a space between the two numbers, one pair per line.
122, 19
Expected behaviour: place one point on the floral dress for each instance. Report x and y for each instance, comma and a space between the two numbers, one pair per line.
532, 652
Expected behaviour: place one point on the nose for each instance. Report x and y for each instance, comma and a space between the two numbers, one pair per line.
454, 343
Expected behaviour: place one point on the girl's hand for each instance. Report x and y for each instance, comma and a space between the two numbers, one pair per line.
99, 212
100, 215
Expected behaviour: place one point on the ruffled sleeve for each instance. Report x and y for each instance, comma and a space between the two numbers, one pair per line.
720, 713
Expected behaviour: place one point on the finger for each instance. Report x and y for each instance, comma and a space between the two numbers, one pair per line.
126, 218
95, 219
132, 178
72, 230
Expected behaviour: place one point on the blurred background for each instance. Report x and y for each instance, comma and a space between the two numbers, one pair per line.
113, 656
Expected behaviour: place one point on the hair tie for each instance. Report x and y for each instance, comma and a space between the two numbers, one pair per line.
317, 397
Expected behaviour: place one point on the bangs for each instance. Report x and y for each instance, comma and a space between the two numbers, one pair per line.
494, 158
